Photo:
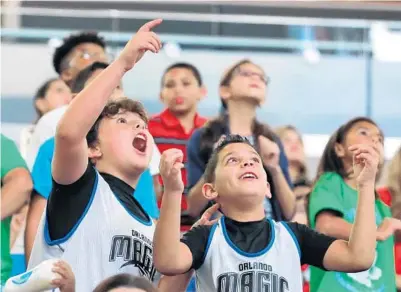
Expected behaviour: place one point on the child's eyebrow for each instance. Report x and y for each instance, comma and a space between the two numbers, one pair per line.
228, 154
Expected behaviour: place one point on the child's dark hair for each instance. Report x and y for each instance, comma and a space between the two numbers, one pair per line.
69, 43
41, 93
212, 163
188, 66
330, 162
112, 109
83, 76
125, 281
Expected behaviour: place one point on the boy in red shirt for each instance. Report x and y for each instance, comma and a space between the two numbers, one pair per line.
181, 91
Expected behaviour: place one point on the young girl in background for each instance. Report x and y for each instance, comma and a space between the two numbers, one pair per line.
332, 209
294, 150
52, 94
242, 90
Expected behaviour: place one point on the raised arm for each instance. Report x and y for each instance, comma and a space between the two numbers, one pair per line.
71, 158
171, 257
358, 253
272, 153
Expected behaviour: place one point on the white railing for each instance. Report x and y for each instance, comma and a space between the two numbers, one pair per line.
196, 17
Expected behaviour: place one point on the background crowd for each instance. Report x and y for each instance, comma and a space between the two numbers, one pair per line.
324, 200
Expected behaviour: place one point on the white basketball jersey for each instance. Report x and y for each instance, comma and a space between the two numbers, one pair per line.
107, 240
226, 268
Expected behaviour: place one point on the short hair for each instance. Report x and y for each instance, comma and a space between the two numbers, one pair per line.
127, 281
188, 66
84, 75
70, 42
209, 174
112, 109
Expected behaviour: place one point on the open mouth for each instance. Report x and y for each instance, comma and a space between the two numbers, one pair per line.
248, 176
140, 142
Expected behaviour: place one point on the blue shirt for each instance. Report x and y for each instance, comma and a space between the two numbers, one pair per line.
42, 180
196, 165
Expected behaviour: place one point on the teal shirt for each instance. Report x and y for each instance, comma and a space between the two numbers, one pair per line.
10, 160
332, 193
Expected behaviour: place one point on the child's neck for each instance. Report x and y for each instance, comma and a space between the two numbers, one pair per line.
351, 181
244, 215
131, 180
294, 170
187, 120
241, 117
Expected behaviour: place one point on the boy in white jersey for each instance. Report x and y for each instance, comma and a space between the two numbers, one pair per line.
244, 251
92, 221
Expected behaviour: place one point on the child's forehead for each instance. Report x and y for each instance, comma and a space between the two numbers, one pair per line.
237, 148
366, 125
129, 115
176, 72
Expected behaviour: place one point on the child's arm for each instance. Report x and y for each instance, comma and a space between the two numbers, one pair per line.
358, 253
175, 283
333, 225
71, 154
171, 257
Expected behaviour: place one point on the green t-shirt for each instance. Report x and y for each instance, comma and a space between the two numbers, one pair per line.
332, 193
10, 159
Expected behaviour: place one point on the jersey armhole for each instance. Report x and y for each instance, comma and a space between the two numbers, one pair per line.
209, 241
51, 242
293, 237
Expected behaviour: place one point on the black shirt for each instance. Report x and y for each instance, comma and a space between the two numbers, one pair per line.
67, 203
252, 237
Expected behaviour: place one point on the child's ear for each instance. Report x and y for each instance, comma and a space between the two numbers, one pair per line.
161, 97
203, 90
41, 104
339, 149
67, 75
94, 152
225, 93
209, 191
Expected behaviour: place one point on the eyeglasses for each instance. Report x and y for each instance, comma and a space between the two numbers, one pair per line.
87, 55
247, 73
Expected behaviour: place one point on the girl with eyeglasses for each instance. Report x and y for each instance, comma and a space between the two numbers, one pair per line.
242, 90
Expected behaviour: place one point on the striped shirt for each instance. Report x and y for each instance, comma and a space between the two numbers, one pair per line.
168, 133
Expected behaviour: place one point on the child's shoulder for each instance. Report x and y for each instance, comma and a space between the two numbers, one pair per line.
329, 177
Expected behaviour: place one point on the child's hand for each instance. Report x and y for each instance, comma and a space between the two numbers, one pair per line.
366, 162
205, 219
170, 170
270, 153
66, 281
388, 227
144, 40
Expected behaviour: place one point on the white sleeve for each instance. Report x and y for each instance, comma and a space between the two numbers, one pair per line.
44, 130
155, 161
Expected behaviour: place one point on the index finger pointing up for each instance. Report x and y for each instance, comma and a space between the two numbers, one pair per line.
150, 25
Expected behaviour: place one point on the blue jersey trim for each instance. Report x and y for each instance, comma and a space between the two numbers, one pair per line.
293, 237
65, 238
147, 223
247, 254
209, 241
